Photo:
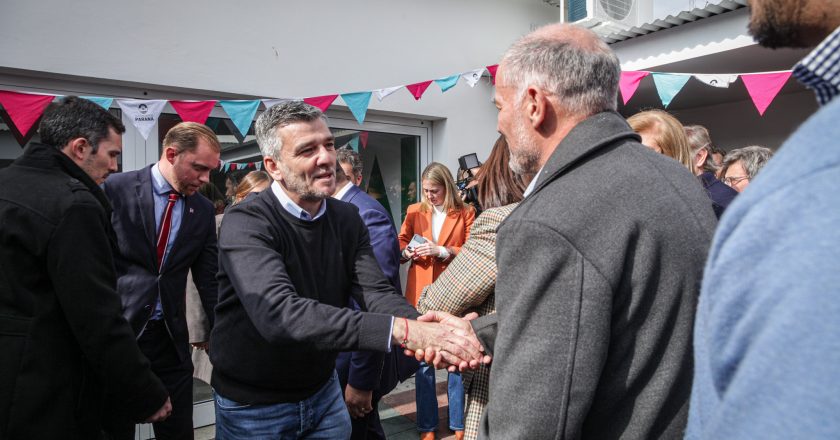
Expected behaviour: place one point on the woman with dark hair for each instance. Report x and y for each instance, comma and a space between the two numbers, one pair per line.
443, 221
468, 285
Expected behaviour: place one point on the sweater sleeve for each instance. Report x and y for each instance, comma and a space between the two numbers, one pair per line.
252, 260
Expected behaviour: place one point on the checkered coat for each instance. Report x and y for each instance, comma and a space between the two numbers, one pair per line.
468, 285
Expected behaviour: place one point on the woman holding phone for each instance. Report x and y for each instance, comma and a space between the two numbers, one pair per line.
444, 221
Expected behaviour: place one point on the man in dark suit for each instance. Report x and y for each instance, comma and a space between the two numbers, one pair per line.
367, 376
165, 229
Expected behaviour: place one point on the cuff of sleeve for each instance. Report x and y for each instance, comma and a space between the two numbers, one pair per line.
390, 332
375, 332
444, 253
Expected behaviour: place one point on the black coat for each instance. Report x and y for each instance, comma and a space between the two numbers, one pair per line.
62, 336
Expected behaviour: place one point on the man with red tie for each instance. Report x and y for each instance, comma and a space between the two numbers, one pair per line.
165, 229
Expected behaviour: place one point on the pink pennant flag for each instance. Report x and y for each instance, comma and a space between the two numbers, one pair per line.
363, 136
763, 88
24, 108
629, 82
492, 69
322, 102
193, 111
417, 89
234, 166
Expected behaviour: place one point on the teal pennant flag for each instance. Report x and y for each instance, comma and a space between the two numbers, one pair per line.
241, 113
668, 85
358, 103
102, 102
448, 82
354, 143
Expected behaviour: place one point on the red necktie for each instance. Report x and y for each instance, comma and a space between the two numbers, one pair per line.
165, 225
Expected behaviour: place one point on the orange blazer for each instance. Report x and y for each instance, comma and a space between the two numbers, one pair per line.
453, 234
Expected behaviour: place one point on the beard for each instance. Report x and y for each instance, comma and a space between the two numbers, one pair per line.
525, 157
775, 23
297, 184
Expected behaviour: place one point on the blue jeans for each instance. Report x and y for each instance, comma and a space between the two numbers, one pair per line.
427, 404
321, 416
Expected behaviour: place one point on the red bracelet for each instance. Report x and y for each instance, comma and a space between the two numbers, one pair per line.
405, 338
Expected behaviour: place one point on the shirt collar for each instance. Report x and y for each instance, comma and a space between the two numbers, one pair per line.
533, 184
159, 183
292, 208
340, 193
820, 70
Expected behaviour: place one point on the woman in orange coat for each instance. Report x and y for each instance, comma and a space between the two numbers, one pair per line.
444, 221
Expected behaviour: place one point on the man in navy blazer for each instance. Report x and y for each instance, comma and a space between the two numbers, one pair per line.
165, 229
366, 376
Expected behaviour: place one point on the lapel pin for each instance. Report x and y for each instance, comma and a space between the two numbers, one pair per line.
191, 210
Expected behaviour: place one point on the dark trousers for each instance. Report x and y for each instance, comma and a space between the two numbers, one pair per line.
176, 376
368, 427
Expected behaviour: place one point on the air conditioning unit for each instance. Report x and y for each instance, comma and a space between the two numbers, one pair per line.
605, 16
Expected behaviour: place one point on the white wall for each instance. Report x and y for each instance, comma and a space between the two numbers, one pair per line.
273, 48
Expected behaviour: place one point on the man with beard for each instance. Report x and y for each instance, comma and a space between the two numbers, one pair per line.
165, 229
767, 337
599, 266
289, 260
62, 334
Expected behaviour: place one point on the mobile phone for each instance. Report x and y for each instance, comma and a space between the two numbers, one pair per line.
415, 241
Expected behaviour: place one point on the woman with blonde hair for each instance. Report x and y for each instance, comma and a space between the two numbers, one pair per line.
443, 222
469, 284
253, 182
664, 134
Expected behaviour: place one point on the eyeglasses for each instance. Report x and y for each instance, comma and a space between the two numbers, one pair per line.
734, 180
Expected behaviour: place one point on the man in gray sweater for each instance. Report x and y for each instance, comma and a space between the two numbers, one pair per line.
599, 266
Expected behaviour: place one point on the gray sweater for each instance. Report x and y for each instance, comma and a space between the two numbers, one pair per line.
599, 272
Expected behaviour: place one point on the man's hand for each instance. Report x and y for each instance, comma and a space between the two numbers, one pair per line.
450, 342
358, 401
162, 414
459, 326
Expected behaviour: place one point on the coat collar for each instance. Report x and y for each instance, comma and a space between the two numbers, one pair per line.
39, 155
351, 193
590, 137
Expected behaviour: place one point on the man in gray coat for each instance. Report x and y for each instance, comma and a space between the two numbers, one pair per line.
599, 266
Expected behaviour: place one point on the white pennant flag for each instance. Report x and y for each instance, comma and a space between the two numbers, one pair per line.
383, 93
143, 113
721, 81
272, 102
258, 165
472, 77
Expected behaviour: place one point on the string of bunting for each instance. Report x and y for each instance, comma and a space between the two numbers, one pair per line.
22, 110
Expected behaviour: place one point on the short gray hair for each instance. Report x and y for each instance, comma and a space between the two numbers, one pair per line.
346, 155
279, 116
576, 67
753, 159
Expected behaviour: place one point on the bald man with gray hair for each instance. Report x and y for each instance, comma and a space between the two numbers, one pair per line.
599, 266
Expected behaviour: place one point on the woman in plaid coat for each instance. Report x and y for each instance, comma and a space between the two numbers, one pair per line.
468, 284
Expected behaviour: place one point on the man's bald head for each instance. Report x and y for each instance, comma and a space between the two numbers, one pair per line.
568, 62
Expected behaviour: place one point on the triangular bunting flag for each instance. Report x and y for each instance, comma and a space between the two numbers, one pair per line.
358, 104
102, 102
720, 81
193, 111
143, 113
322, 102
668, 85
629, 82
241, 113
473, 76
258, 166
271, 102
763, 88
383, 93
492, 70
417, 89
24, 108
447, 83
225, 168
363, 136
354, 143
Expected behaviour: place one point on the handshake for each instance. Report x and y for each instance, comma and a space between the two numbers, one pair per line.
442, 340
